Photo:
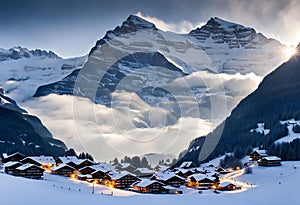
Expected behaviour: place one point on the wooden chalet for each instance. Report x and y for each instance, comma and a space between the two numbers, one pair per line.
201, 181
69, 160
227, 186
221, 170
269, 161
120, 180
16, 157
10, 167
185, 173
99, 174
258, 154
84, 163
31, 171
169, 178
86, 170
63, 170
148, 186
187, 165
41, 161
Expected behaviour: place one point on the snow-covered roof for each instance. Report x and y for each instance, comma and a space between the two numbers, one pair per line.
146, 182
60, 166
119, 175
68, 159
272, 158
261, 152
87, 167
199, 177
26, 166
145, 170
184, 171
8, 164
5, 155
164, 176
44, 160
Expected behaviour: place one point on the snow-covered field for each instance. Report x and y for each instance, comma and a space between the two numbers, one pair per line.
272, 185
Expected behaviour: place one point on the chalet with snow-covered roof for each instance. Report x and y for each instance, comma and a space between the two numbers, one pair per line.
42, 161
120, 180
160, 168
63, 170
125, 167
148, 186
69, 160
269, 161
99, 173
84, 163
143, 172
169, 178
201, 181
258, 154
31, 171
185, 173
187, 165
85, 177
15, 157
87, 170
10, 167
227, 186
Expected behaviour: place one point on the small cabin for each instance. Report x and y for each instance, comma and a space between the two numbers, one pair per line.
63, 170
121, 180
148, 186
258, 154
269, 161
10, 167
84, 163
69, 160
31, 171
16, 157
169, 178
41, 161
86, 170
99, 173
227, 186
201, 181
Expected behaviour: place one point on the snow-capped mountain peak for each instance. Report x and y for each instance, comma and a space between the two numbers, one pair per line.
138, 23
19, 52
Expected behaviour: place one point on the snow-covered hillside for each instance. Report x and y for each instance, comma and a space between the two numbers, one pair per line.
23, 71
271, 185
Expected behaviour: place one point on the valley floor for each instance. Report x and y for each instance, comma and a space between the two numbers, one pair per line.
266, 185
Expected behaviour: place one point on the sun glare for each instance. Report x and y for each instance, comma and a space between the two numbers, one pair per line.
290, 51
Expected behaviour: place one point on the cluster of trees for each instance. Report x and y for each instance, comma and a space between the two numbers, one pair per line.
167, 162
230, 161
135, 161
82, 155
286, 151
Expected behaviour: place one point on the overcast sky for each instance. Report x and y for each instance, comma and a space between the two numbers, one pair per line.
71, 27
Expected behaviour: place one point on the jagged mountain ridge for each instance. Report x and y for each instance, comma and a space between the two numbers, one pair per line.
276, 98
19, 52
23, 70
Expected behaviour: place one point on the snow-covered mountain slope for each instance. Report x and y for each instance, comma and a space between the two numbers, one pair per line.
24, 133
234, 48
23, 71
156, 89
